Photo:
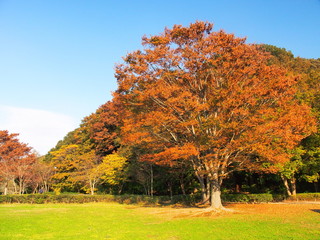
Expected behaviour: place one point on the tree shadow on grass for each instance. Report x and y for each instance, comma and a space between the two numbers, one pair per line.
315, 210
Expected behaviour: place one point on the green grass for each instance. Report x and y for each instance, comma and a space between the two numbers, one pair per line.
116, 221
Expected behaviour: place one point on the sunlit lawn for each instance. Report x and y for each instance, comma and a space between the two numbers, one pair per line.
116, 221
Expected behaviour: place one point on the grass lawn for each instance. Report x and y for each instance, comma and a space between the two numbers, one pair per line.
116, 221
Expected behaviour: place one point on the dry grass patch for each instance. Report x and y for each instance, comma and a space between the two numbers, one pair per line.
280, 210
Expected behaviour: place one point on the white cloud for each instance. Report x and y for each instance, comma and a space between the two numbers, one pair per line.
40, 129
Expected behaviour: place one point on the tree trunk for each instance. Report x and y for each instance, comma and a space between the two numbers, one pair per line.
21, 186
293, 186
92, 185
316, 186
290, 185
182, 186
6, 188
45, 186
120, 188
215, 194
204, 192
151, 181
208, 188
35, 189
237, 190
15, 186
145, 187
286, 184
170, 189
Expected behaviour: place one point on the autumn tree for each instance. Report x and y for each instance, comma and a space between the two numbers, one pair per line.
77, 157
100, 130
305, 161
76, 168
24, 172
208, 98
16, 161
42, 175
83, 172
64, 164
69, 139
113, 170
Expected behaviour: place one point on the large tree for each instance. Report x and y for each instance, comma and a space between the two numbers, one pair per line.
211, 99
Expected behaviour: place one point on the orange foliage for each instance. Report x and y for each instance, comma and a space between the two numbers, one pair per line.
16, 160
99, 129
209, 98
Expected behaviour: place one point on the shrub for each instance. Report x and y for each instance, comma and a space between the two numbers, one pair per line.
236, 197
306, 197
249, 198
279, 197
188, 200
49, 198
260, 198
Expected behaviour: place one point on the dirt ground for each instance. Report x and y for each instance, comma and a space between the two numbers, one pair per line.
285, 210
278, 208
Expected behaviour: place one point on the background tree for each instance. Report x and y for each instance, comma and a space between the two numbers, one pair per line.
86, 170
77, 156
16, 161
64, 163
113, 170
69, 139
24, 171
305, 161
310, 169
289, 170
42, 173
100, 130
210, 99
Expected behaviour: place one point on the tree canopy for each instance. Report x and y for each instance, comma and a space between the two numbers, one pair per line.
207, 97
16, 161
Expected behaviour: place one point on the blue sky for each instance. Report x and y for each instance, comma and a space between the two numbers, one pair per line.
57, 57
